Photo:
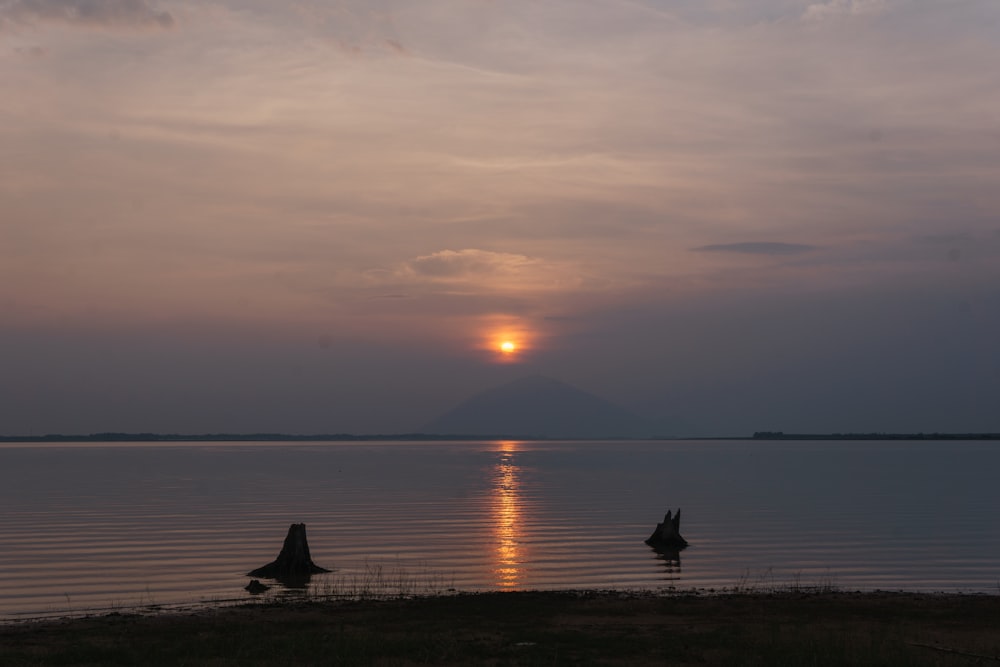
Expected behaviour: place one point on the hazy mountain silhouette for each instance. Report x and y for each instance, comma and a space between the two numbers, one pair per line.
680, 427
541, 407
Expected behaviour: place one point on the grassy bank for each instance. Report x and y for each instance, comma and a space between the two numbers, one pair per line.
537, 629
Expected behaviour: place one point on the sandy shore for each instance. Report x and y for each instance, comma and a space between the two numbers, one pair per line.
536, 628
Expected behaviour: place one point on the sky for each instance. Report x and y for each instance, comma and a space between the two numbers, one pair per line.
321, 216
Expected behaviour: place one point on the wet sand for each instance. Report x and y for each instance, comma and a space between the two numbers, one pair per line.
536, 628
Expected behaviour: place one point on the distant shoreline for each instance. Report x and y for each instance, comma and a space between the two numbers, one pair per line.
431, 437
244, 437
779, 435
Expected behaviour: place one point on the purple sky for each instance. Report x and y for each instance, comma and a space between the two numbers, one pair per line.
323, 216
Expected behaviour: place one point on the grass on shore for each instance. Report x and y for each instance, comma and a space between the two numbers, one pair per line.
537, 628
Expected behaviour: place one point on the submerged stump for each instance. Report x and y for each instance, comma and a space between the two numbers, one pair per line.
294, 561
667, 535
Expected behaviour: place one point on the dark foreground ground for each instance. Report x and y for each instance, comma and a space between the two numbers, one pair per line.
536, 629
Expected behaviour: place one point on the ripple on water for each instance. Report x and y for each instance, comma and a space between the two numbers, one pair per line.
94, 526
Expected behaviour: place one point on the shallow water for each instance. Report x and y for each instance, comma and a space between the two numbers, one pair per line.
97, 526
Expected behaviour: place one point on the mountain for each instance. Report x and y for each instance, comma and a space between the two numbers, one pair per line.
539, 407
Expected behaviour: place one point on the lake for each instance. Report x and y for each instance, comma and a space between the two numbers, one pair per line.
107, 526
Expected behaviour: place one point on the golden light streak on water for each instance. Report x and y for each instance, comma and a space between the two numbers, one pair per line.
507, 517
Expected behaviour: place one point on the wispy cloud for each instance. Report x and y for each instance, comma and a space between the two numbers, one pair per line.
837, 8
491, 277
31, 51
946, 239
92, 13
758, 248
469, 263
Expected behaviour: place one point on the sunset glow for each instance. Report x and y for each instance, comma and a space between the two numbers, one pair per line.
506, 349
687, 207
507, 339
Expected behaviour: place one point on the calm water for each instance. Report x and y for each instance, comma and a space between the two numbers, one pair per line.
93, 526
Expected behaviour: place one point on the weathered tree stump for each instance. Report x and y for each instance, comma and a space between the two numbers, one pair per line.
668, 534
294, 561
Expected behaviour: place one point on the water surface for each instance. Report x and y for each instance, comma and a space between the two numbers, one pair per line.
94, 526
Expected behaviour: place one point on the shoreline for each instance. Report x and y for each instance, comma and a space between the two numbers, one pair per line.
286, 598
534, 627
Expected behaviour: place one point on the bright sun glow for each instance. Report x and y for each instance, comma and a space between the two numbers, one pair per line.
505, 339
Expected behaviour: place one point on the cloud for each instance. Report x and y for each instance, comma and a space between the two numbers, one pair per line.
946, 239
94, 13
472, 271
31, 51
836, 8
396, 46
468, 263
758, 248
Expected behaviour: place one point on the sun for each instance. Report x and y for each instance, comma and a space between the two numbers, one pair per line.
505, 339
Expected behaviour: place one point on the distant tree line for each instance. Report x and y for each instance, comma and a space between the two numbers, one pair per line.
278, 437
781, 435
225, 437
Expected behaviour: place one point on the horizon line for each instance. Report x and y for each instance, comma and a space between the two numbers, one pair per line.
116, 436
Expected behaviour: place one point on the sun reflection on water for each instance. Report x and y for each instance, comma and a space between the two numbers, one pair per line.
507, 517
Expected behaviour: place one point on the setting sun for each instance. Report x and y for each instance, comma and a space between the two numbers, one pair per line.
506, 339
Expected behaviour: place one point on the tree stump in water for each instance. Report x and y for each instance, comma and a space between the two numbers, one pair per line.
668, 534
294, 561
